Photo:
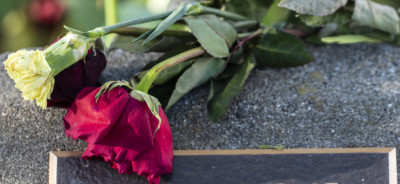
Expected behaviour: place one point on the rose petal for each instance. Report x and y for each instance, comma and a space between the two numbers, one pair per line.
119, 129
70, 81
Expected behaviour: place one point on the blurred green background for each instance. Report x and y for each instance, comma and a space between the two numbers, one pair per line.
36, 23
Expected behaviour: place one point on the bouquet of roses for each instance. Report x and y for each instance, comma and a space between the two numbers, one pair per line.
124, 122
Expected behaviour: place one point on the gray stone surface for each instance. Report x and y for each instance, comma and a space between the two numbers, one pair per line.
348, 97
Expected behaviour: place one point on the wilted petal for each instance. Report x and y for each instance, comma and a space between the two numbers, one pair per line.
119, 129
70, 81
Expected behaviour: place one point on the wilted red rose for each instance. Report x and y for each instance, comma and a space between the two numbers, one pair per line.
73, 79
119, 129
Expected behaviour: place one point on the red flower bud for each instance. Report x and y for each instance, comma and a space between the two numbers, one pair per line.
46, 11
119, 129
73, 79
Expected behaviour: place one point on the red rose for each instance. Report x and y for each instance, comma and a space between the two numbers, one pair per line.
119, 129
73, 79
46, 11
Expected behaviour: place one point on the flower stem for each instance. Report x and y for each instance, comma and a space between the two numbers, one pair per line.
245, 24
193, 9
225, 14
108, 29
254, 34
110, 11
137, 31
146, 82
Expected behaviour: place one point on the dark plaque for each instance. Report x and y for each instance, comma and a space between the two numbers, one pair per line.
292, 166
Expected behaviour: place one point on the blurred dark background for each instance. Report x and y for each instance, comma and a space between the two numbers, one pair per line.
36, 23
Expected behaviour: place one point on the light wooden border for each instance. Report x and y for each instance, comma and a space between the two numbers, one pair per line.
53, 162
283, 151
389, 150
392, 167
52, 168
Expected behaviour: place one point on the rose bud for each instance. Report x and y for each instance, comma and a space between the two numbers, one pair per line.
128, 130
33, 71
46, 11
73, 79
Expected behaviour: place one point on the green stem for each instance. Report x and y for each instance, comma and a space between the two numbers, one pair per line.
59, 56
108, 29
250, 34
246, 24
110, 11
225, 14
137, 31
146, 82
194, 9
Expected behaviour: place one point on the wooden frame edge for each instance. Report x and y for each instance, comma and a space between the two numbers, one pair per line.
283, 151
67, 153
258, 151
392, 167
53, 155
52, 168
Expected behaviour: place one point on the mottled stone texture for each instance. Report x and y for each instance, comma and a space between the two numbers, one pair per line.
348, 97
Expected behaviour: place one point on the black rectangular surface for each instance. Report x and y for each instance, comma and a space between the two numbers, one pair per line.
247, 167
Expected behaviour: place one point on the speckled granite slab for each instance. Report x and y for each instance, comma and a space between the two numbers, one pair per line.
348, 97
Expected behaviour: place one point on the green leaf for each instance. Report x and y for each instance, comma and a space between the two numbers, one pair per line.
152, 104
167, 22
253, 9
275, 14
200, 72
159, 44
377, 16
225, 30
280, 147
393, 3
313, 7
384, 37
214, 35
223, 91
143, 36
169, 73
328, 30
340, 17
281, 50
236, 56
164, 91
313, 39
349, 39
75, 31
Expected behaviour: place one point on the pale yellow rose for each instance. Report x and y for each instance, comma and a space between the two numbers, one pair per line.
31, 74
